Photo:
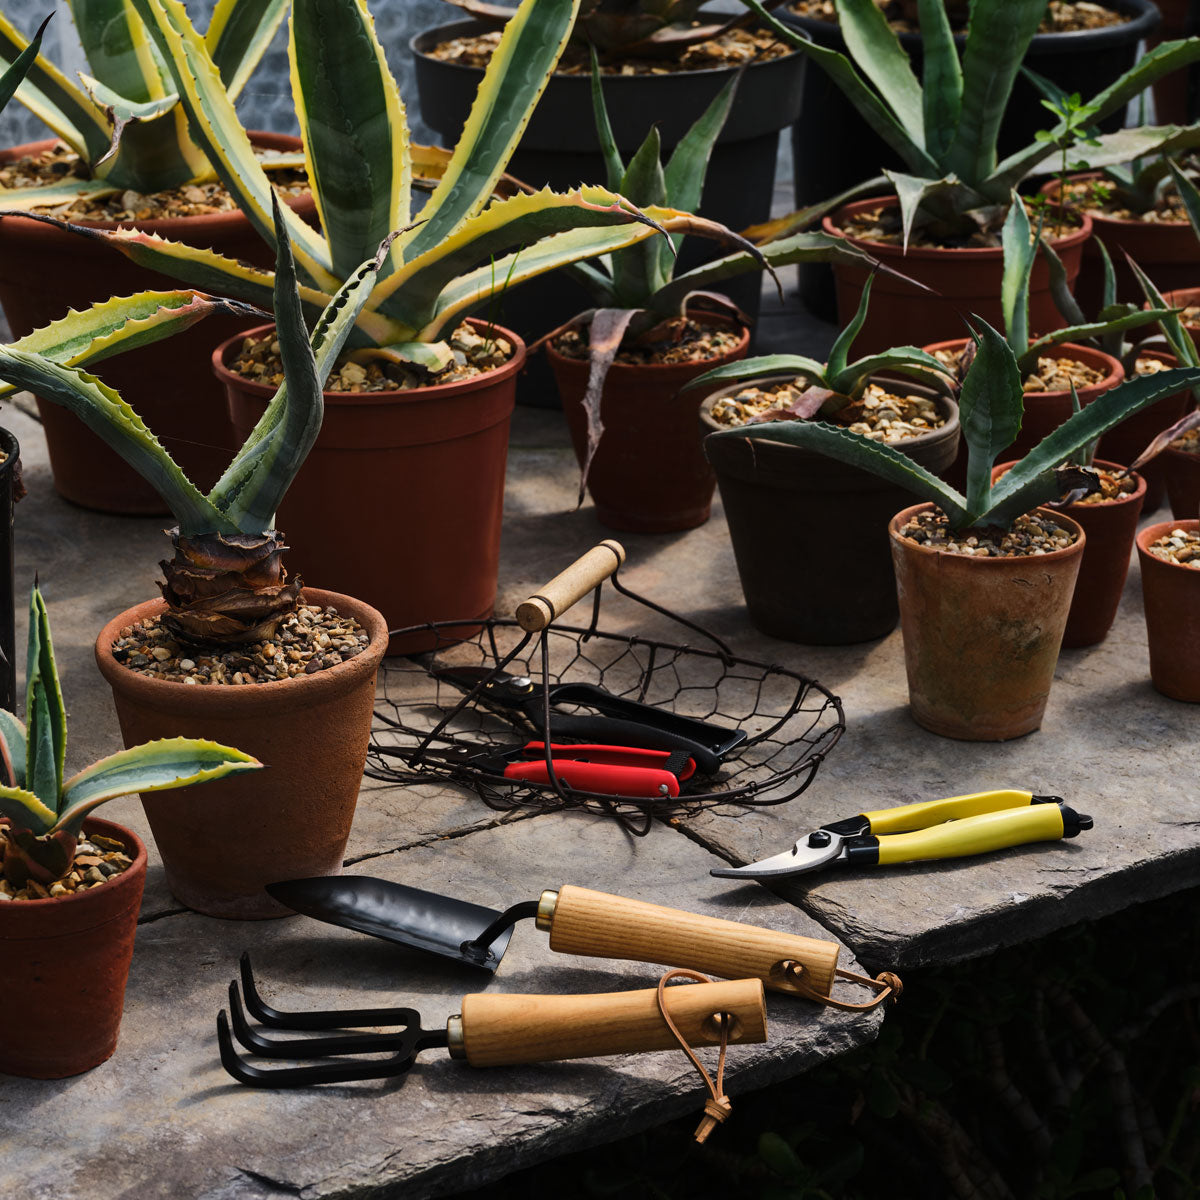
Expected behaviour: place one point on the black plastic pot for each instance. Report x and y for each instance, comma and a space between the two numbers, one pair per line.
559, 149
824, 165
810, 533
10, 476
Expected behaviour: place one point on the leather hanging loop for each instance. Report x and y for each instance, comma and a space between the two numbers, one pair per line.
887, 985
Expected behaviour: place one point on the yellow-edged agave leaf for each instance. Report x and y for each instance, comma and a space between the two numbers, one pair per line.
433, 356
25, 810
118, 48
152, 767
429, 164
54, 195
123, 323
215, 123
354, 127
238, 36
104, 412
520, 67
49, 95
12, 748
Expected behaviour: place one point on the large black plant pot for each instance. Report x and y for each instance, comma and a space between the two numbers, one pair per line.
10, 491
838, 150
559, 149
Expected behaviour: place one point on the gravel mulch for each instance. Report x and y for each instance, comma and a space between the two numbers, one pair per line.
680, 340
1180, 546
97, 860
1031, 534
1062, 16
1051, 374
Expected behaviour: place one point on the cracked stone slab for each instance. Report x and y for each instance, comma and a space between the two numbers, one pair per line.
161, 1117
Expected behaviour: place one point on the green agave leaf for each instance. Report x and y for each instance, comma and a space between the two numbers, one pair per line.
118, 49
1019, 254
26, 811
1189, 194
756, 368
614, 166
21, 65
1108, 289
152, 767
238, 36
904, 360
41, 769
12, 748
520, 67
122, 112
353, 125
1060, 288
688, 165
44, 710
1178, 338
800, 220
641, 270
839, 353
839, 443
942, 83
1093, 329
916, 193
878, 53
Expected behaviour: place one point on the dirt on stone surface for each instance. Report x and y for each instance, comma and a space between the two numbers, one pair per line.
1050, 375
309, 640
1031, 534
97, 860
1062, 16
679, 340
1179, 546
731, 49
474, 353
191, 200
879, 414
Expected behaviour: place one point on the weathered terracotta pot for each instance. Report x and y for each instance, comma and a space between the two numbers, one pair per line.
400, 500
964, 281
221, 843
1124, 443
1110, 526
981, 635
1171, 596
810, 533
649, 474
44, 271
1044, 411
1182, 470
65, 964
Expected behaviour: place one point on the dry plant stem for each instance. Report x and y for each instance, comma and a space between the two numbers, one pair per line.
604, 337
1013, 1099
1059, 1096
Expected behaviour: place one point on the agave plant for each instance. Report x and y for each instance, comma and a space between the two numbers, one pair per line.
991, 404
945, 127
446, 259
44, 812
630, 28
125, 122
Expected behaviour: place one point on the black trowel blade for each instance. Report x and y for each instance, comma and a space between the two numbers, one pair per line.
406, 915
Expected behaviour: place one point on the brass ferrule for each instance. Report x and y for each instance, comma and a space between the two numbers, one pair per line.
455, 1043
547, 902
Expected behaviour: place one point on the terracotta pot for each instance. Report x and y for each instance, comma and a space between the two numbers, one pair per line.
649, 474
1171, 597
1188, 297
1182, 470
981, 635
965, 281
1166, 250
66, 961
1110, 526
400, 500
810, 533
1044, 411
1124, 443
1175, 95
44, 271
221, 843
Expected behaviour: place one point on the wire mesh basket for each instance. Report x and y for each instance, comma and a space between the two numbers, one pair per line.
790, 722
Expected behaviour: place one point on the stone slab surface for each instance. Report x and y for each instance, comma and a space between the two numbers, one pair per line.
162, 1118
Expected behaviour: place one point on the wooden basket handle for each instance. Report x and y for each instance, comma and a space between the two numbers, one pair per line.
585, 573
502, 1030
597, 924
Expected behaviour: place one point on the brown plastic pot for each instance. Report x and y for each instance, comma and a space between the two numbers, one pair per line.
981, 635
1124, 443
65, 963
649, 474
963, 281
220, 844
1182, 469
1171, 598
810, 534
1046, 411
44, 271
400, 500
1110, 526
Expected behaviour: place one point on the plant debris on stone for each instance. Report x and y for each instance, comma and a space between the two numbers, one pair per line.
1114, 485
1031, 534
679, 340
310, 639
474, 353
1180, 546
97, 860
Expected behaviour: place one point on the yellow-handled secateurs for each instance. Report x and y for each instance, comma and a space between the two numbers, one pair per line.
950, 828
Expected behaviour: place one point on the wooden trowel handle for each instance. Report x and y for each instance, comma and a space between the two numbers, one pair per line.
534, 614
501, 1030
594, 923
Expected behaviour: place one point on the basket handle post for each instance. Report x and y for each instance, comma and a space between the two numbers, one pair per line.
584, 574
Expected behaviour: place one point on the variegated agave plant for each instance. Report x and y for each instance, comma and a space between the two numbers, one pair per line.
45, 813
125, 121
446, 259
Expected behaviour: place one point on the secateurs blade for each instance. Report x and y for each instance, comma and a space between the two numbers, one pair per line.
952, 828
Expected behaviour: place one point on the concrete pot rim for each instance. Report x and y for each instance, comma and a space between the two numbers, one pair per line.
988, 563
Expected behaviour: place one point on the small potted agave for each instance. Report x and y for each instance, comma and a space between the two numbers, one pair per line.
985, 578
71, 884
235, 649
789, 509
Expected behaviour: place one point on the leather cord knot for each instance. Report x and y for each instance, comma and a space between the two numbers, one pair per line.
887, 986
717, 1106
